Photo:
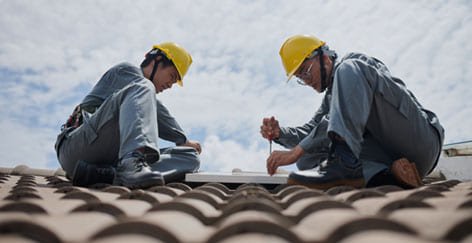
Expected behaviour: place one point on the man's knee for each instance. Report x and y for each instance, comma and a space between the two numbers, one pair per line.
189, 154
192, 155
142, 88
302, 165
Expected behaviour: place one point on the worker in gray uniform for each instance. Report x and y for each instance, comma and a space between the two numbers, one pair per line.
112, 136
369, 124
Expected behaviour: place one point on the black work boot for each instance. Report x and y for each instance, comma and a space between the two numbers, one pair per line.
341, 168
86, 174
132, 171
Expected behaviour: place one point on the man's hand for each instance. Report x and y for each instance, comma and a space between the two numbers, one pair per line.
193, 144
280, 158
270, 128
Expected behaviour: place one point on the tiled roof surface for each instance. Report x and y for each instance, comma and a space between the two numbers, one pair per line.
42, 205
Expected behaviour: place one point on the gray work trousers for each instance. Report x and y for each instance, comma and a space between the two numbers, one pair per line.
381, 123
126, 121
374, 157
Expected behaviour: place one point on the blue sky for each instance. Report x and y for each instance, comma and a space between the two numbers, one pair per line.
52, 52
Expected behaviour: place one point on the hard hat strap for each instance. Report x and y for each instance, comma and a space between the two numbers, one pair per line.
154, 69
323, 71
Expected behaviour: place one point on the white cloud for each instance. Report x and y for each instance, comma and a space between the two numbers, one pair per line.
57, 50
224, 155
25, 145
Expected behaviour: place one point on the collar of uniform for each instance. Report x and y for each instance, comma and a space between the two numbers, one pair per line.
336, 63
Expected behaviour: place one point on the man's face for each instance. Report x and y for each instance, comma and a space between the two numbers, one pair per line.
309, 73
165, 77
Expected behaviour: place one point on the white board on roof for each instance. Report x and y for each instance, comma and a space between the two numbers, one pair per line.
237, 177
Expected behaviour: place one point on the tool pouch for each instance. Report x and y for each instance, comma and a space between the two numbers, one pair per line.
77, 117
75, 120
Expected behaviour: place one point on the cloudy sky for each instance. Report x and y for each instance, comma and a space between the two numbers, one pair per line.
52, 53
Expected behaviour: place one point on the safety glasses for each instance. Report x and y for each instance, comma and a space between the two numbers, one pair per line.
305, 77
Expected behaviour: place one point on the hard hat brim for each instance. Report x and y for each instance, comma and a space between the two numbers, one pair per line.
290, 75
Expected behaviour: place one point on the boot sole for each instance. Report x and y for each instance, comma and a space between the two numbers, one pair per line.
359, 183
139, 185
406, 173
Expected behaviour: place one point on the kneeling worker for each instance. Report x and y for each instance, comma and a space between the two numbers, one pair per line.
112, 136
369, 127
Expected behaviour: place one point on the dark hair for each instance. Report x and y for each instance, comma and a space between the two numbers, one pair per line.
326, 51
164, 60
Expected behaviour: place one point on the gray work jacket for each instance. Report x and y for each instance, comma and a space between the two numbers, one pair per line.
122, 75
312, 136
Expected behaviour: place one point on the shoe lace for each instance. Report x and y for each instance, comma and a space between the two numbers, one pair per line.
330, 160
138, 160
140, 163
323, 165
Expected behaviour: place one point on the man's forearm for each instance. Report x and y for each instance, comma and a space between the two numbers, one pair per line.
298, 151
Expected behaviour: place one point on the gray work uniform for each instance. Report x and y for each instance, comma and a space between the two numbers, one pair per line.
128, 116
378, 117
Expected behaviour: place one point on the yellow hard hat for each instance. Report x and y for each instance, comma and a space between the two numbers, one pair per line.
178, 55
294, 51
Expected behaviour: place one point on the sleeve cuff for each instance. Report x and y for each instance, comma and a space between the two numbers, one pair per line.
308, 144
282, 137
283, 133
